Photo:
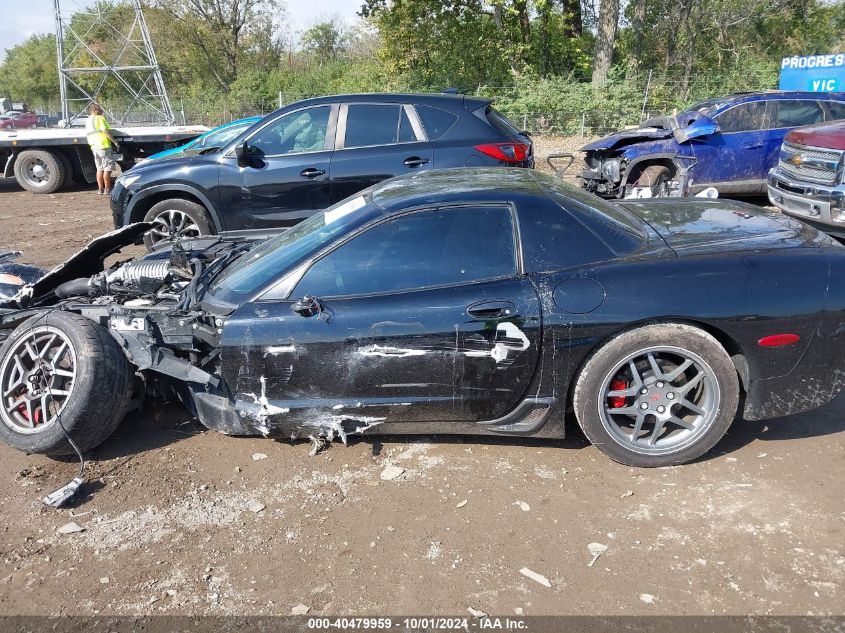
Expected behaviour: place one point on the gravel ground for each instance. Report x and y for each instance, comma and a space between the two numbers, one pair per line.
179, 520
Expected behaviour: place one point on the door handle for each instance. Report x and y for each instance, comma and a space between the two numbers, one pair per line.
307, 306
491, 309
415, 161
753, 146
312, 172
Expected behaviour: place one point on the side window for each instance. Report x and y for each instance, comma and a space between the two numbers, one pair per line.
435, 121
301, 131
553, 240
429, 248
744, 117
795, 112
835, 110
372, 124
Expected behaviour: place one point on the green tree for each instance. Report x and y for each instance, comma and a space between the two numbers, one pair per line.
325, 41
29, 72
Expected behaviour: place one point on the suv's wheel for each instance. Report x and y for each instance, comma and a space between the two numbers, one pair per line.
656, 178
176, 218
59, 373
658, 395
40, 171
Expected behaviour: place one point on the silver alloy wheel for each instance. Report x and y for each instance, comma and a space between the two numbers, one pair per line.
36, 171
36, 380
173, 224
670, 398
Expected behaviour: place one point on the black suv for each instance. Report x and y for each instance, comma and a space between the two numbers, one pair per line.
310, 154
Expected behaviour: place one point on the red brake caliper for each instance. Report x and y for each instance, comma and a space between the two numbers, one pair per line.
617, 402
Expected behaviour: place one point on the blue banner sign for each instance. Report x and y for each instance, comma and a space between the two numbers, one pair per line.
813, 73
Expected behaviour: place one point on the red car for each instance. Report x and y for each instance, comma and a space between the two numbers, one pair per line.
16, 119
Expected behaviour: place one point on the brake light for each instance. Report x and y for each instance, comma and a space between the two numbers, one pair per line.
617, 402
505, 152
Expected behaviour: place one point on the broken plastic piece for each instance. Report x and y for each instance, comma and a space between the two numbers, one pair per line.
59, 497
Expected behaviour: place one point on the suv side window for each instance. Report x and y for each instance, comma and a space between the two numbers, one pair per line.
437, 247
435, 121
744, 117
300, 131
795, 112
369, 124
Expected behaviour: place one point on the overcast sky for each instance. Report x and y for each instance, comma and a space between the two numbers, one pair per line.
22, 18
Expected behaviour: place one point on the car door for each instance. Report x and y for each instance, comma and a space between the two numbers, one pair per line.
732, 159
287, 175
784, 115
422, 317
376, 141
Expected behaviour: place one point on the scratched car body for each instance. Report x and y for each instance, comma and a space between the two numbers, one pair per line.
467, 301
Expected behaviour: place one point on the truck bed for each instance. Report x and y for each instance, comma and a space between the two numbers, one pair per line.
76, 135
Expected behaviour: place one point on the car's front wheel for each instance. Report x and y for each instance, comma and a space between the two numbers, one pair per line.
176, 218
657, 395
61, 375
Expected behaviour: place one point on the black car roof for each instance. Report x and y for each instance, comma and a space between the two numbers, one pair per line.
441, 99
449, 185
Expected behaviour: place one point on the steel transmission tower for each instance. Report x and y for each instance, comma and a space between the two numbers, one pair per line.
102, 59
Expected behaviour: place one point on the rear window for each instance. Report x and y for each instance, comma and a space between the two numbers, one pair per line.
501, 122
435, 121
372, 124
795, 112
618, 228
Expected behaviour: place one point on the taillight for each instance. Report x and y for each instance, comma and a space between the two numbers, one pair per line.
505, 152
617, 402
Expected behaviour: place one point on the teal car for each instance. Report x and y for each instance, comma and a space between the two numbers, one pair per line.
218, 137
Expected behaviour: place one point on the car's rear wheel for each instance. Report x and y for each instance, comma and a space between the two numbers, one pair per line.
40, 171
657, 395
176, 218
61, 375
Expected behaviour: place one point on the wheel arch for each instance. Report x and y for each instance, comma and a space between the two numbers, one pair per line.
145, 200
636, 166
728, 343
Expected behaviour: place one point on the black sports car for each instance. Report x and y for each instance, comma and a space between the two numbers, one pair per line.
474, 301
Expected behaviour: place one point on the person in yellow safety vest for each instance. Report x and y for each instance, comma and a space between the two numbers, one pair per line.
102, 145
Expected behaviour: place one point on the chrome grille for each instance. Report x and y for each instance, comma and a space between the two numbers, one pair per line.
809, 163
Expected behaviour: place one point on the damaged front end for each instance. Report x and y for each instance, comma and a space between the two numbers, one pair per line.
647, 161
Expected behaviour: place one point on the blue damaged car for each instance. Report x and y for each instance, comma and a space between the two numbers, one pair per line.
729, 143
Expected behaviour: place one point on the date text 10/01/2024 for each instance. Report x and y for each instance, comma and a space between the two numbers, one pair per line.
441, 623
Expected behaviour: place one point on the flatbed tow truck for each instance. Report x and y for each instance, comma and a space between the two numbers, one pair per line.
44, 161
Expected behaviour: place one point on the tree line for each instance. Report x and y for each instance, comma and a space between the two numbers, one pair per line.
535, 55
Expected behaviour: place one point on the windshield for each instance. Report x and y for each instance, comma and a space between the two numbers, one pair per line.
218, 138
268, 263
707, 108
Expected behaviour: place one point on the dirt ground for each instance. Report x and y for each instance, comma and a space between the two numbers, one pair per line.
179, 520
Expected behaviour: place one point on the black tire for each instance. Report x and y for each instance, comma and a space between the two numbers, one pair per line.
98, 393
162, 213
656, 177
68, 168
40, 171
600, 373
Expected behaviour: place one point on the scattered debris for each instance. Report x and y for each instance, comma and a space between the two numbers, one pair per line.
70, 528
476, 613
628, 493
258, 457
255, 506
533, 575
104, 580
318, 444
647, 598
153, 600
596, 550
391, 472
518, 611
434, 550
462, 503
300, 609
522, 505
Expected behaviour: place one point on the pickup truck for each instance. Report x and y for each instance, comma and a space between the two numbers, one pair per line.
808, 181
728, 143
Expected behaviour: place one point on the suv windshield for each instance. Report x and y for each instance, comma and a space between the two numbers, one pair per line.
267, 263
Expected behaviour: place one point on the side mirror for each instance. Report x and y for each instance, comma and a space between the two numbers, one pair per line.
242, 154
702, 126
